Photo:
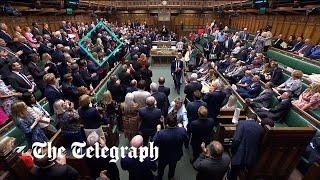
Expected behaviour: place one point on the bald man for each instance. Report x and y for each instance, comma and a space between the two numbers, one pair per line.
150, 117
138, 170
213, 163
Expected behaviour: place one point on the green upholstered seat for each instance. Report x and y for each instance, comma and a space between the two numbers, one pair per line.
295, 63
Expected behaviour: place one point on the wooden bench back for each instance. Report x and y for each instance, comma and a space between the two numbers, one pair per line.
281, 149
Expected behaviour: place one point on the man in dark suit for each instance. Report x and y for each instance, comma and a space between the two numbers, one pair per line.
214, 99
276, 76
245, 145
116, 90
77, 78
176, 72
228, 44
162, 88
70, 91
206, 49
278, 41
305, 49
138, 170
26, 49
244, 35
150, 117
213, 163
35, 29
125, 77
192, 107
36, 72
278, 112
264, 99
59, 59
133, 86
190, 88
298, 45
201, 130
6, 36
51, 91
170, 142
44, 47
162, 100
85, 74
18, 80
252, 90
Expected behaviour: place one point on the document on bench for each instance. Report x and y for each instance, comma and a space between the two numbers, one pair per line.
236, 115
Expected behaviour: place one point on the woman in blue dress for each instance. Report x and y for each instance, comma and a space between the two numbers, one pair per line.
28, 125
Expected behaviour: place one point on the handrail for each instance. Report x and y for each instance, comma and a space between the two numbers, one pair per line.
312, 61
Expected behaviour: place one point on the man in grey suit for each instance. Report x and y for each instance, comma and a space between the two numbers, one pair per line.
263, 99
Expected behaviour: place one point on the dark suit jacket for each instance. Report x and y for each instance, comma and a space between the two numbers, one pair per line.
277, 43
37, 75
212, 168
278, 112
86, 76
71, 93
139, 170
201, 130
117, 91
18, 83
43, 48
90, 117
230, 45
264, 99
165, 90
277, 76
173, 67
56, 171
7, 39
246, 141
150, 118
46, 31
297, 46
162, 102
52, 96
191, 88
170, 142
35, 31
78, 80
192, 109
214, 102
27, 50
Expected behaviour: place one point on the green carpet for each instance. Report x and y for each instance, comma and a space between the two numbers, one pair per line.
184, 169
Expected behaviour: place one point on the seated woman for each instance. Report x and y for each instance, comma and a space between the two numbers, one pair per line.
90, 116
69, 121
129, 112
25, 122
177, 107
293, 84
37, 111
7, 98
310, 98
29, 36
109, 108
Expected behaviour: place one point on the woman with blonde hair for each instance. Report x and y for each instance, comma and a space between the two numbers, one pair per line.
129, 112
293, 84
28, 125
310, 98
109, 108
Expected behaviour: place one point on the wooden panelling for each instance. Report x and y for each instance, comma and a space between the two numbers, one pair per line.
308, 27
52, 20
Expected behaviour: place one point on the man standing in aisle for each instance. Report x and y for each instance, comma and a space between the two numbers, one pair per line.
176, 72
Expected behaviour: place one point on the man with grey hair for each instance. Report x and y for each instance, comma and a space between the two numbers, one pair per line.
138, 170
150, 118
133, 86
162, 101
192, 87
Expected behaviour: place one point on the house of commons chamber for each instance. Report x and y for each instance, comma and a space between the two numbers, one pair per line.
160, 89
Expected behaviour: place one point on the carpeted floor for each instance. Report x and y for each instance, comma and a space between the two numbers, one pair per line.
184, 170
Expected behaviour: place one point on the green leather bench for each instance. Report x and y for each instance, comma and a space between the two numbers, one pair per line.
288, 61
